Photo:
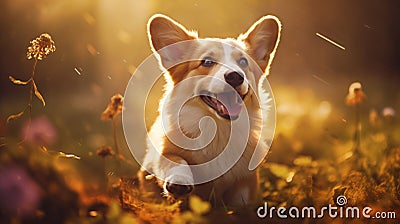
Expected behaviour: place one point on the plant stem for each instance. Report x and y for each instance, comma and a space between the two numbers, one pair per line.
105, 173
357, 131
32, 81
114, 125
31, 92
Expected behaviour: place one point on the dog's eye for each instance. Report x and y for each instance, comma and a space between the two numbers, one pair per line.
243, 62
208, 62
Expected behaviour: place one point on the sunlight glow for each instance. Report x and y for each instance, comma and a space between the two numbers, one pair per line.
323, 110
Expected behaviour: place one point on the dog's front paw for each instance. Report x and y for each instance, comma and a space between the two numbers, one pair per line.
178, 190
178, 186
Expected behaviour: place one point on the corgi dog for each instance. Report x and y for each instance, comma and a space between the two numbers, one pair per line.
211, 116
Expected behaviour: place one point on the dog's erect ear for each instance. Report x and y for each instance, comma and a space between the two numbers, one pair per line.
164, 31
262, 40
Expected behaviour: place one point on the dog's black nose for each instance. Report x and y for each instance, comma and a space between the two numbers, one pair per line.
234, 78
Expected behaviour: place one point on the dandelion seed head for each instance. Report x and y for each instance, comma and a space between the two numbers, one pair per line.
356, 95
41, 47
114, 107
388, 112
355, 86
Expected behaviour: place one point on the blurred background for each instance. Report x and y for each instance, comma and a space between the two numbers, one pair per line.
100, 43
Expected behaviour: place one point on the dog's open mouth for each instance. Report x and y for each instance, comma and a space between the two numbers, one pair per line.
227, 104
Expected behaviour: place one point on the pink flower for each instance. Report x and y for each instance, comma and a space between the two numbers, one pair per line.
40, 132
19, 193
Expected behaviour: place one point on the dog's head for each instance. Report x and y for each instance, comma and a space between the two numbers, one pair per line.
221, 72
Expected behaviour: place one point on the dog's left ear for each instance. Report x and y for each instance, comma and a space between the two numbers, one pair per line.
262, 40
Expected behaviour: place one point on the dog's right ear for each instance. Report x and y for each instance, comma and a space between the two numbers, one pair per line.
162, 32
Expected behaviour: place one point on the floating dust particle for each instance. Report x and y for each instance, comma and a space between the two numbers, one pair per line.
331, 41
124, 36
89, 19
78, 70
92, 50
320, 79
367, 26
131, 69
96, 89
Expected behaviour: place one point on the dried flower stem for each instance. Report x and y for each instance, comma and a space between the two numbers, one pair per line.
104, 152
357, 130
110, 113
354, 98
31, 80
114, 125
105, 172
39, 49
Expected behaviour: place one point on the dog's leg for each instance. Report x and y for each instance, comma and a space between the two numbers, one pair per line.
244, 192
178, 180
148, 184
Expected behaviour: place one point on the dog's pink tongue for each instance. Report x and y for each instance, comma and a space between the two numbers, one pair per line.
232, 102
